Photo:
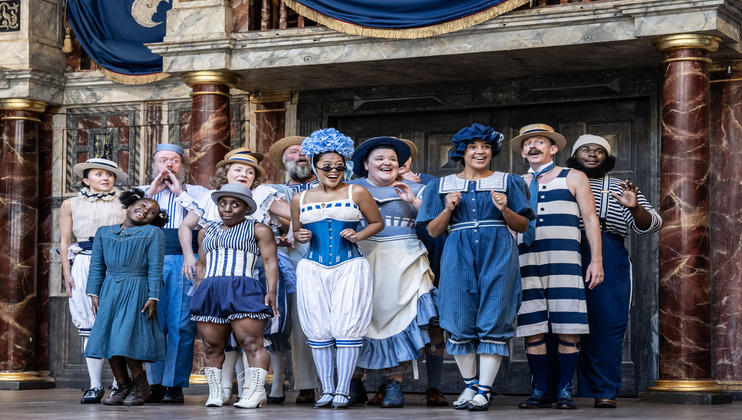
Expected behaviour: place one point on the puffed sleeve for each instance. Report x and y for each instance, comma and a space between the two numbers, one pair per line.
155, 258
264, 197
97, 265
518, 197
432, 204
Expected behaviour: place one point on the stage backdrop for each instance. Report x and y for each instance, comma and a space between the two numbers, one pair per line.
401, 19
113, 34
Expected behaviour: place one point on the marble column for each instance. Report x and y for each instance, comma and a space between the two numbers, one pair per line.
684, 294
726, 225
210, 139
270, 126
19, 192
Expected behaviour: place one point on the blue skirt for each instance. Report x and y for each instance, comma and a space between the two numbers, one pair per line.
223, 299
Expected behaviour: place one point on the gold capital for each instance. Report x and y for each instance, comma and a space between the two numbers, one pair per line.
709, 43
208, 77
23, 105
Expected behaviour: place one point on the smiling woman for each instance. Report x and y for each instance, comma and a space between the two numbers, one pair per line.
96, 205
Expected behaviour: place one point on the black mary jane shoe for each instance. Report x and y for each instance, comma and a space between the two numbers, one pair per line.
92, 396
339, 405
323, 404
276, 400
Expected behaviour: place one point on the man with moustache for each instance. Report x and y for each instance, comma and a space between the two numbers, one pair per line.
551, 274
169, 189
621, 208
285, 154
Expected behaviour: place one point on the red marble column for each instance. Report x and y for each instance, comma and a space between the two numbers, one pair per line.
209, 121
210, 141
19, 204
726, 226
684, 295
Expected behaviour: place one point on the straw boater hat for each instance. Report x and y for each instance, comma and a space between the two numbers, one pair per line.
275, 153
98, 163
591, 139
237, 191
413, 150
244, 156
532, 130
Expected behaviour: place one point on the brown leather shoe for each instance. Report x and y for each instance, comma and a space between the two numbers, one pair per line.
378, 397
306, 396
139, 391
605, 403
118, 395
434, 398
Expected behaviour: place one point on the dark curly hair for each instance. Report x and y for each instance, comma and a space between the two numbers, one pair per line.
128, 198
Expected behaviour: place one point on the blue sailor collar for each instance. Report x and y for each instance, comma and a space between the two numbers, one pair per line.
386, 194
498, 181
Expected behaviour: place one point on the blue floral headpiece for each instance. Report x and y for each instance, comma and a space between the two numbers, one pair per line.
327, 140
475, 132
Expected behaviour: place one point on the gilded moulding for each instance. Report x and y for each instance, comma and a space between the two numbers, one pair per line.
209, 77
41, 376
709, 43
681, 385
23, 105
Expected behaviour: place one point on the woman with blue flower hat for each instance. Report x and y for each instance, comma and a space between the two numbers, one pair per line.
479, 289
334, 284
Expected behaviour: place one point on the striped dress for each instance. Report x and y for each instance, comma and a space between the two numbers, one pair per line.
229, 290
551, 269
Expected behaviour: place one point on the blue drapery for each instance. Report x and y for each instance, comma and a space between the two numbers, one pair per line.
113, 33
398, 14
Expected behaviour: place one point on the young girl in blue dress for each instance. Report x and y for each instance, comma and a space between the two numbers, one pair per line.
479, 290
124, 285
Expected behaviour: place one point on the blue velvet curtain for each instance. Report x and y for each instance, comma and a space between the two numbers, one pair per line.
113, 32
398, 14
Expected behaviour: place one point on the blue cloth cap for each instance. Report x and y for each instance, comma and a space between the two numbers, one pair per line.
167, 147
237, 191
476, 132
363, 149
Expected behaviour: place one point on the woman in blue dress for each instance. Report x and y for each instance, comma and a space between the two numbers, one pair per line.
479, 287
403, 280
334, 283
124, 286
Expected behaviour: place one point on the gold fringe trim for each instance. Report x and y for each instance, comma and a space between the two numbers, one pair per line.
132, 80
408, 33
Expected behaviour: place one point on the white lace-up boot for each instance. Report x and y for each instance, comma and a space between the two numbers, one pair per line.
254, 391
216, 393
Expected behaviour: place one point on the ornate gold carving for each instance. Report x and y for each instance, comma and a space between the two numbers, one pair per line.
709, 43
208, 77
10, 16
687, 385
23, 105
266, 97
40, 376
